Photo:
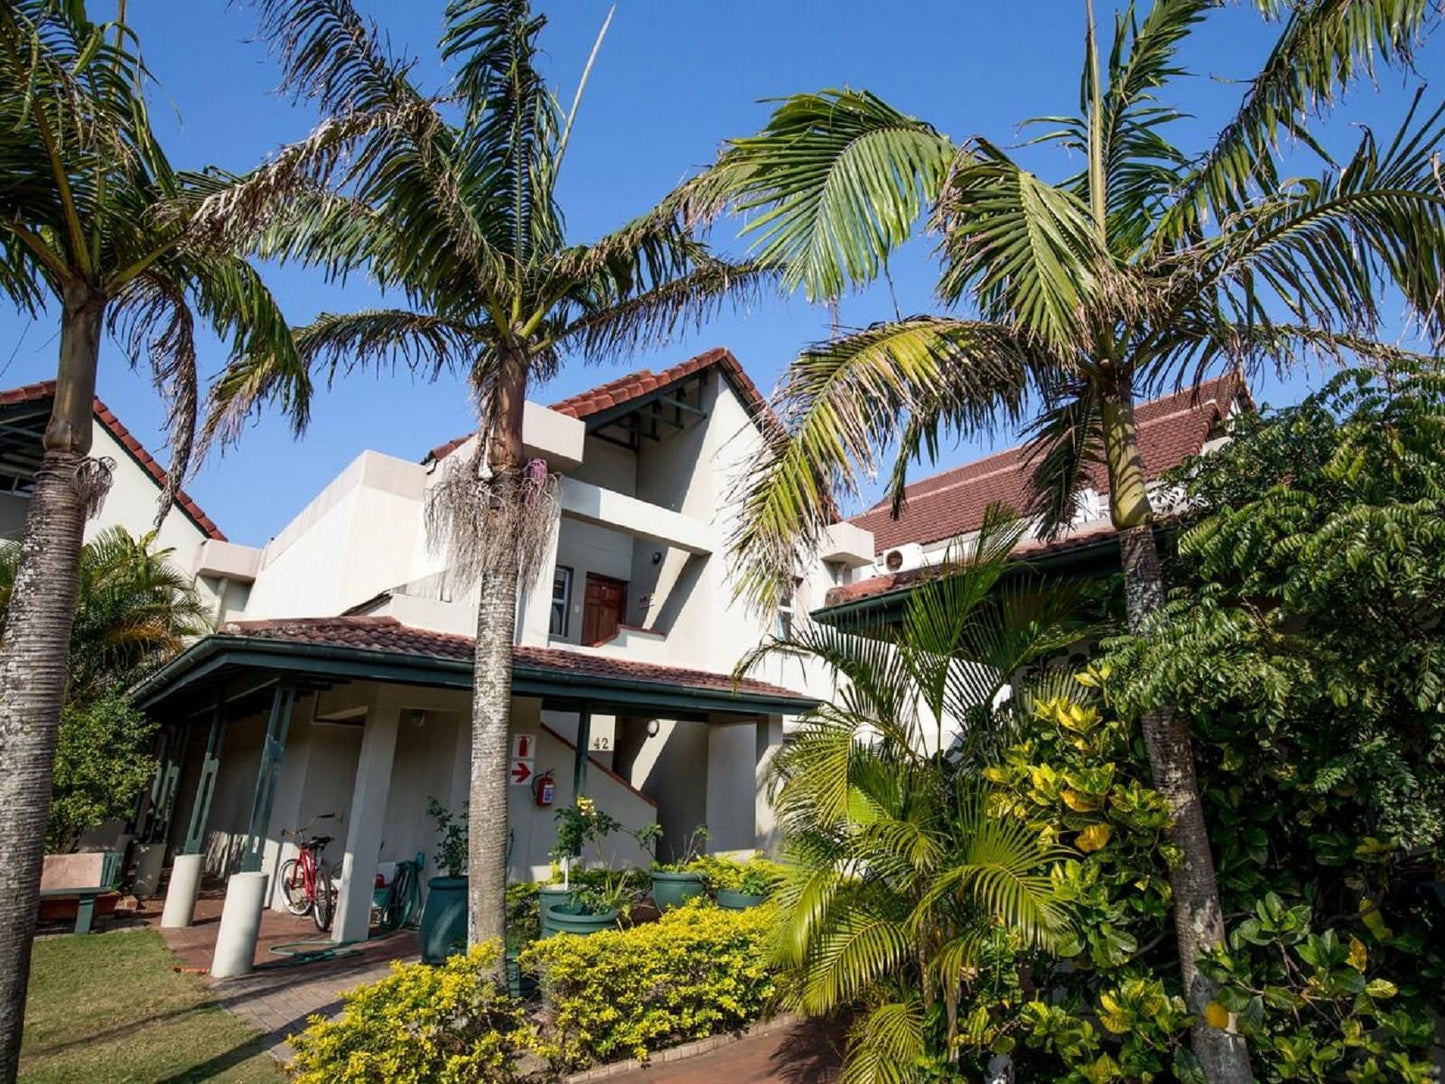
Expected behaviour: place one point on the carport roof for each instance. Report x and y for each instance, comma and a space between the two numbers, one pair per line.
383, 649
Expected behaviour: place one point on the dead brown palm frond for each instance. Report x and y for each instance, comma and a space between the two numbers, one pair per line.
493, 523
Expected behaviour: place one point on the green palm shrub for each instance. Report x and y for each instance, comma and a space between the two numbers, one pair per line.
898, 887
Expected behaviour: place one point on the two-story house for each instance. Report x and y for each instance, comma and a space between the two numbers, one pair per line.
344, 687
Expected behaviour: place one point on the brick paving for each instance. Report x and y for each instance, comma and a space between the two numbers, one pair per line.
279, 996
805, 1053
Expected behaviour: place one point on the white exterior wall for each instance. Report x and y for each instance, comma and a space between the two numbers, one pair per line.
361, 535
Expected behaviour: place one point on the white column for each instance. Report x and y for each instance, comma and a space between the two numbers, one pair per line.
286, 808
731, 756
368, 811
769, 739
535, 618
180, 907
240, 925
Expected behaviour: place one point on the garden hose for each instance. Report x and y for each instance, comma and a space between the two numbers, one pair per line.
403, 901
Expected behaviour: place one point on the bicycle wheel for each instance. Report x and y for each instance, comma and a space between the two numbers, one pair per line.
293, 887
323, 907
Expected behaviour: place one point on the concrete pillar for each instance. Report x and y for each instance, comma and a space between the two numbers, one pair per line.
180, 905
769, 739
731, 801
240, 925
286, 808
368, 814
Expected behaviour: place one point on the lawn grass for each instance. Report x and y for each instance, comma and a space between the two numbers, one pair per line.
109, 1007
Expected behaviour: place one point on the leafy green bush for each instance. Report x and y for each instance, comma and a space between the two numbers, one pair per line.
695, 972
102, 764
1315, 1000
758, 876
421, 1024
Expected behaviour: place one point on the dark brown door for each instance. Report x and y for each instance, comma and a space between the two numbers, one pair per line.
602, 608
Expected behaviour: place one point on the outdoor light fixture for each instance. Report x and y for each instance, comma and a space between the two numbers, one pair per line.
653, 726
657, 557
416, 717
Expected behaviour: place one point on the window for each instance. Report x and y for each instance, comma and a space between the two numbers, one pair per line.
561, 600
783, 629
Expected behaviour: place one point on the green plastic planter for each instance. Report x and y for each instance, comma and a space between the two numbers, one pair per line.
443, 929
547, 895
576, 919
671, 890
737, 901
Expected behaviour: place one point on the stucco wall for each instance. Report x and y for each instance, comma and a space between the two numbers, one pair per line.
361, 535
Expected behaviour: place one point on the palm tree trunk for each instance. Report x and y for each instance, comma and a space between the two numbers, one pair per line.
1198, 919
35, 654
492, 671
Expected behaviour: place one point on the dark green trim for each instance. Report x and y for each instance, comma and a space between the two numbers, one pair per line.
208, 658
584, 739
283, 702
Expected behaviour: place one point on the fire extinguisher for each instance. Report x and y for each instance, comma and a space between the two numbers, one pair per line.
544, 789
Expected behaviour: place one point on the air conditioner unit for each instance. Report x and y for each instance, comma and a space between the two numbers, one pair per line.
904, 558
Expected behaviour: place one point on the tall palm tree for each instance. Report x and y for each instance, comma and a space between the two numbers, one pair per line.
95, 222
1150, 265
897, 882
450, 200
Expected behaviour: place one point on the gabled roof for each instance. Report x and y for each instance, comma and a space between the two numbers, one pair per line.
387, 650
635, 385
45, 390
953, 503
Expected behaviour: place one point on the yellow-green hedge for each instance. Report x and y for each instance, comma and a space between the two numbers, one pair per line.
621, 994
447, 1024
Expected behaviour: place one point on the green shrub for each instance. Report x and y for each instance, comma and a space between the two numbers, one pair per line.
758, 876
419, 1024
695, 972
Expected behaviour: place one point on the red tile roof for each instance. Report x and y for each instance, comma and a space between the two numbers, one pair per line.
32, 393
897, 581
390, 635
953, 503
643, 382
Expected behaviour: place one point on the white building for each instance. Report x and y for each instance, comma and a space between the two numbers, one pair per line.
223, 572
342, 684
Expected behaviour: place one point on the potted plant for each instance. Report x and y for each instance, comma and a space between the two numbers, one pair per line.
589, 909
740, 885
577, 825
676, 882
443, 928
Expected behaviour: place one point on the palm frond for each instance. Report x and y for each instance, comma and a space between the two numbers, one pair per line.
1064, 449
843, 400
1323, 47
837, 179
1027, 251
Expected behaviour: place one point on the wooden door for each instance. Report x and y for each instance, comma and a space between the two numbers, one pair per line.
602, 608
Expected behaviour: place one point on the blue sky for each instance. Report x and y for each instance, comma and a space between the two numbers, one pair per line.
674, 78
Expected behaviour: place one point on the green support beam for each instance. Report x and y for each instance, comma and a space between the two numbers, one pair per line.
282, 701
584, 739
206, 785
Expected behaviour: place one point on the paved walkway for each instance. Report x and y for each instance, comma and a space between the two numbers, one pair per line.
279, 996
806, 1053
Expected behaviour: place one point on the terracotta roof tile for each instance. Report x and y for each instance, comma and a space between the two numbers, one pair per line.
953, 502
390, 635
642, 382
46, 390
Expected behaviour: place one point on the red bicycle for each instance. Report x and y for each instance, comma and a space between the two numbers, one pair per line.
306, 881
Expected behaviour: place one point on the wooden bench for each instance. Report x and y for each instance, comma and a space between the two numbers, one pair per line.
81, 877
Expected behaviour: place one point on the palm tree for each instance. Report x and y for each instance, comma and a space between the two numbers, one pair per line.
94, 220
897, 882
1148, 266
450, 200
134, 609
